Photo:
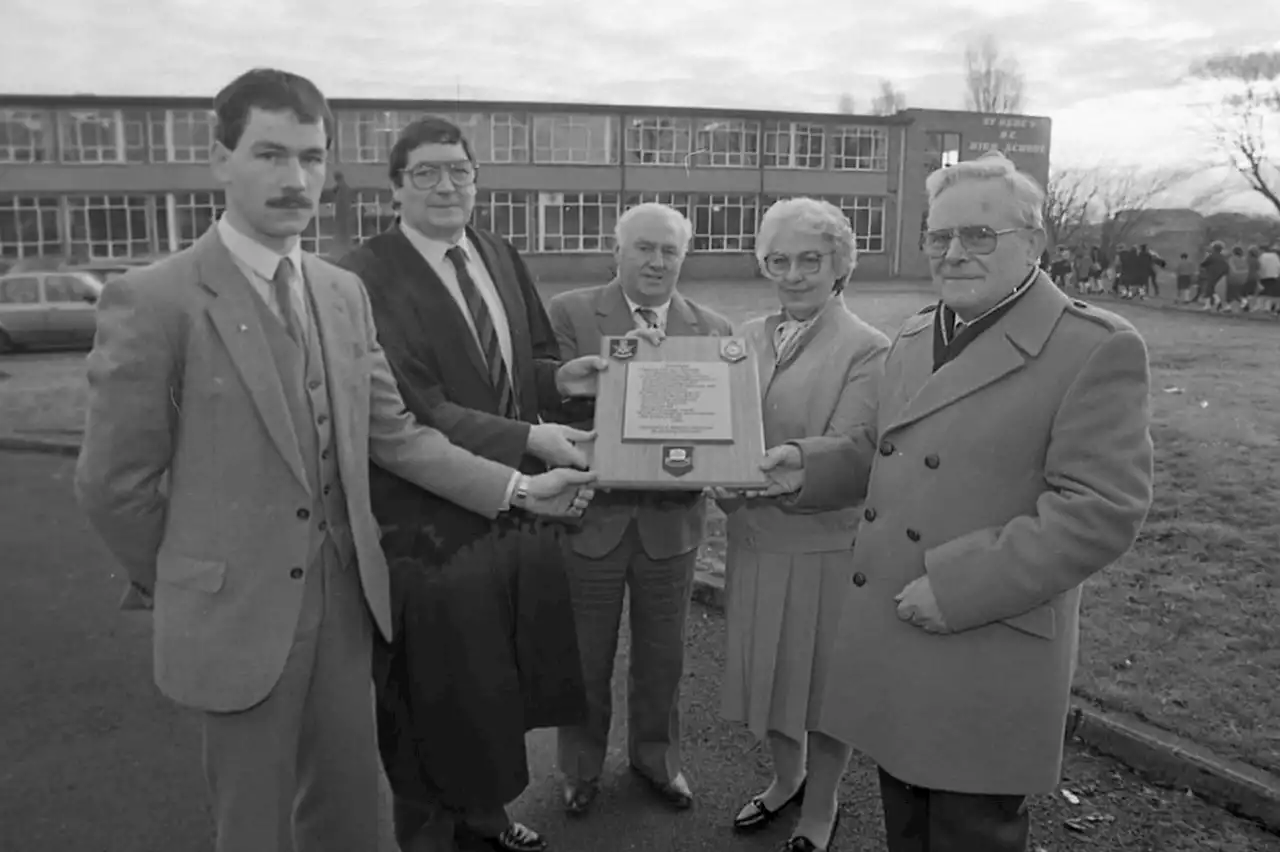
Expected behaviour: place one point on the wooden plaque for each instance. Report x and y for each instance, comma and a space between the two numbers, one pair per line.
681, 416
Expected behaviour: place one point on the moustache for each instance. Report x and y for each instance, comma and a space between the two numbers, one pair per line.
291, 202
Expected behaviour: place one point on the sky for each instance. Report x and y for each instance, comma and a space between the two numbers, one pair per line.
1110, 73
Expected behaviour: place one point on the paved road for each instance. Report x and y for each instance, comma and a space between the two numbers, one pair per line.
93, 760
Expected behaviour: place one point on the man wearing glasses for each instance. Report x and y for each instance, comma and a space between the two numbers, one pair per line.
484, 647
1011, 459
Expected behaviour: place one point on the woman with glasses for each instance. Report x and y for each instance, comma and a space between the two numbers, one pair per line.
787, 572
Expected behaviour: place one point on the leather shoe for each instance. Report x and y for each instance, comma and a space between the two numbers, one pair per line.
675, 792
579, 795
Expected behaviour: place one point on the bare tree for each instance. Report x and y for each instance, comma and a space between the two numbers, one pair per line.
1250, 116
1124, 197
889, 100
1068, 200
993, 82
846, 105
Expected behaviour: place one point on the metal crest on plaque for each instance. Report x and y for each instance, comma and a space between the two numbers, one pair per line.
677, 461
622, 348
732, 350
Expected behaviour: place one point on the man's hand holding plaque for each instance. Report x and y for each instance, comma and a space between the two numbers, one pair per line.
784, 466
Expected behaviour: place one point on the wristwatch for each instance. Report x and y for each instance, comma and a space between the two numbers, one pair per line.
521, 493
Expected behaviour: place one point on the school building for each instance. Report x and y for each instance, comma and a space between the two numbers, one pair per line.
109, 178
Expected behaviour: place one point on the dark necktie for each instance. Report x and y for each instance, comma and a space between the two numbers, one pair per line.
648, 316
486, 332
282, 290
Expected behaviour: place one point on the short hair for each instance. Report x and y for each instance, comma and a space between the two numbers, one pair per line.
427, 130
816, 216
1027, 193
1217, 246
682, 224
270, 90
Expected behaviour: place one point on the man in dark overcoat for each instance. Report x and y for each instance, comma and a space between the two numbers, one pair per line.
484, 646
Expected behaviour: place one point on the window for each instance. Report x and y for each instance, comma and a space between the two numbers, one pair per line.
577, 221
658, 141
509, 138
941, 150
578, 139
725, 223
30, 226
374, 214
678, 200
730, 143
193, 214
367, 137
20, 291
189, 135
505, 213
860, 149
793, 145
866, 215
24, 136
91, 136
107, 226
318, 237
67, 288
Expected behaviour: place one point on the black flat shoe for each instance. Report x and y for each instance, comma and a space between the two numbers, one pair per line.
760, 816
579, 796
799, 843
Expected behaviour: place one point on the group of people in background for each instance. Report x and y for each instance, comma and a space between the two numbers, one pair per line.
1239, 280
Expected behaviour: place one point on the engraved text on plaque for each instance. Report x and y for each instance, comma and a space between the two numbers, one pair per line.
677, 400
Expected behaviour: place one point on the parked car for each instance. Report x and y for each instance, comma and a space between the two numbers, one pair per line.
48, 308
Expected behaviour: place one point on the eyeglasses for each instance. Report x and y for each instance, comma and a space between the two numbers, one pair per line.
425, 176
807, 263
974, 239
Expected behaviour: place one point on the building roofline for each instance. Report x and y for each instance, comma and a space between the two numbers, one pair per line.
451, 105
927, 110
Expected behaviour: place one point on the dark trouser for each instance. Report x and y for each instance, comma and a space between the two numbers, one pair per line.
422, 828
917, 819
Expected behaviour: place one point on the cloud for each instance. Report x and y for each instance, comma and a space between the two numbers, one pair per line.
1090, 64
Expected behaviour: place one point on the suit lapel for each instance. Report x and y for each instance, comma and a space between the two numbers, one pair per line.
333, 327
408, 263
1000, 350
239, 324
612, 314
681, 320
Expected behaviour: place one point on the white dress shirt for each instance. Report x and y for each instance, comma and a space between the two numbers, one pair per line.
258, 264
433, 252
659, 311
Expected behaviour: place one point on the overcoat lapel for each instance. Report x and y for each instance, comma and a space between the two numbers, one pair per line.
1000, 350
238, 322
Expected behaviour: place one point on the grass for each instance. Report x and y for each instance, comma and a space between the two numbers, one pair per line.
1183, 631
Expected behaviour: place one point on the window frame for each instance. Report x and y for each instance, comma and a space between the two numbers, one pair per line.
602, 242
877, 161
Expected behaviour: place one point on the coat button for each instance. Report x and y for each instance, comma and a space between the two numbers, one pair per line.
296, 573
324, 418
886, 448
859, 579
932, 461
303, 514
869, 513
913, 535
326, 490
314, 385
323, 526
325, 455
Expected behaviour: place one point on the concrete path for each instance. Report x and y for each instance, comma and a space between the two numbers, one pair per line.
92, 759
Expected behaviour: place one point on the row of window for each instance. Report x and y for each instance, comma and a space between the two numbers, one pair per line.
184, 136
123, 226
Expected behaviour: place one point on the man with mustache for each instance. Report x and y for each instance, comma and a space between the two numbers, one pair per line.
237, 393
468, 339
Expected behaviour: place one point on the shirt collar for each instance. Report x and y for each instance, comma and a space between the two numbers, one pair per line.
433, 249
253, 254
957, 323
660, 311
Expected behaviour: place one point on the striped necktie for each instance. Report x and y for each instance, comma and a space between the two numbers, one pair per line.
282, 289
486, 334
648, 316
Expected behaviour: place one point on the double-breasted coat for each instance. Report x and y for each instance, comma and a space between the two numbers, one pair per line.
1007, 477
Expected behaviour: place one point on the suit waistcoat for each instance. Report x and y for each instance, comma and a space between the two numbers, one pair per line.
306, 392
